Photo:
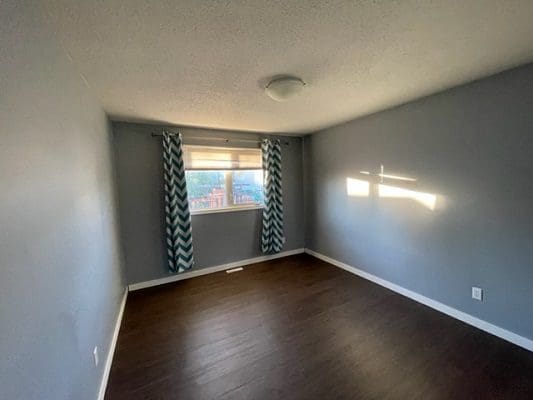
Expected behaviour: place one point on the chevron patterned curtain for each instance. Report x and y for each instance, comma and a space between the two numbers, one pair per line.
272, 238
177, 216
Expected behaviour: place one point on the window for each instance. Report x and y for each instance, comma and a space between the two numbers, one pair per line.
223, 178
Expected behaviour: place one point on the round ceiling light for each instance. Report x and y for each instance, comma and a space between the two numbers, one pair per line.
282, 89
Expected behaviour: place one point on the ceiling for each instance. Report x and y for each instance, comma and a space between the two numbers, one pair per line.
205, 63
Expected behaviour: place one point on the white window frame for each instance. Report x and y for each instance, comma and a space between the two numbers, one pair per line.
228, 183
229, 209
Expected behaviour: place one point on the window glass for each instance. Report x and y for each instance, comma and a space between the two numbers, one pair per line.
206, 189
209, 190
248, 187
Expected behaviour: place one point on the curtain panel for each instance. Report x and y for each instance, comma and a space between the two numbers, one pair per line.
177, 215
272, 238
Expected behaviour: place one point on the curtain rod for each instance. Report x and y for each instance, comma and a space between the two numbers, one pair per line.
226, 140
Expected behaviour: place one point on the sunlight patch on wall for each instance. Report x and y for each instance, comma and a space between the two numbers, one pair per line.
357, 187
383, 185
382, 175
396, 177
428, 200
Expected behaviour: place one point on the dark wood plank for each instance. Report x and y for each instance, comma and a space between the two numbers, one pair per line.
299, 328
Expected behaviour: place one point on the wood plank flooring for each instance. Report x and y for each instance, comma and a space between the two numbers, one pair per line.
299, 328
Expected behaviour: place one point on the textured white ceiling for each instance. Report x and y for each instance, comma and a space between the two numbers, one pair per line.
205, 63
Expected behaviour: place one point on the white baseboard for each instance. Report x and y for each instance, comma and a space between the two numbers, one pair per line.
111, 352
209, 270
452, 312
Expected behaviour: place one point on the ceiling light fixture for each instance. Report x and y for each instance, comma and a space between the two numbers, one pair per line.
282, 89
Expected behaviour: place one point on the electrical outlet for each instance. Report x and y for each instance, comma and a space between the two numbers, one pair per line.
95, 355
477, 293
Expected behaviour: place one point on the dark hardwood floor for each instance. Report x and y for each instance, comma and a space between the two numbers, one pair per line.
299, 328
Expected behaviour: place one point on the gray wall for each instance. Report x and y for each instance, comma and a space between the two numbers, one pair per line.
473, 147
60, 277
217, 238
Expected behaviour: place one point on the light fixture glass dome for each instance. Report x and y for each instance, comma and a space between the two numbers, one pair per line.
282, 89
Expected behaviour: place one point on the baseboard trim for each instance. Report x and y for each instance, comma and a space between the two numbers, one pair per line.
443, 308
211, 270
112, 346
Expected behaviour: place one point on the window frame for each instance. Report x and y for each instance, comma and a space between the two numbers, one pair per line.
228, 184
241, 207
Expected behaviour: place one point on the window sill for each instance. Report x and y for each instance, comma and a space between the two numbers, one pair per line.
228, 209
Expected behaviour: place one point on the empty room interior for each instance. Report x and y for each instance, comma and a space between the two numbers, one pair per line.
251, 199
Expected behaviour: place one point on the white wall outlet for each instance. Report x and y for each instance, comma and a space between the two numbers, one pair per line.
95, 355
477, 293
